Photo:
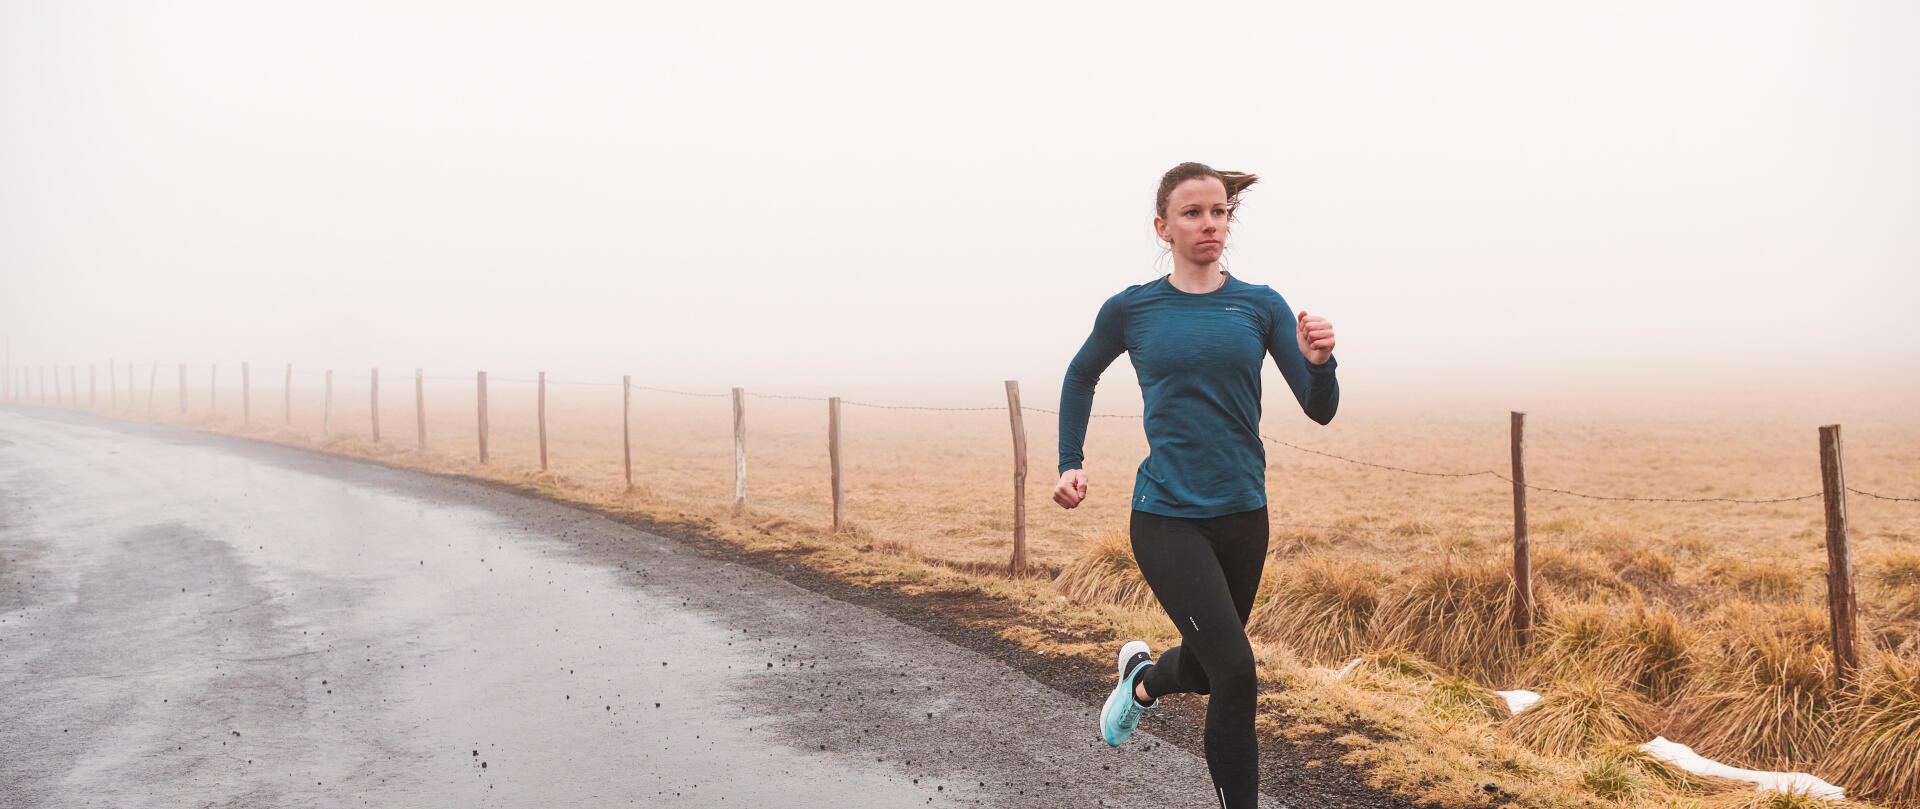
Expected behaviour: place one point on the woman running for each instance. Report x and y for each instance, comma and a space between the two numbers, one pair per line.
1197, 338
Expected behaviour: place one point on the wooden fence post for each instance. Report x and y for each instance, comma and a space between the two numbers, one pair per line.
374, 394
326, 412
183, 389
153, 376
420, 406
246, 394
1019, 564
481, 380
739, 450
543, 421
287, 400
1522, 555
833, 458
626, 432
1840, 603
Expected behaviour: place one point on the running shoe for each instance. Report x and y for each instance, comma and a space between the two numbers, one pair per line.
1122, 712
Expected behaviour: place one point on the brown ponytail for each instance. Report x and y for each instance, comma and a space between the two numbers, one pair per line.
1234, 181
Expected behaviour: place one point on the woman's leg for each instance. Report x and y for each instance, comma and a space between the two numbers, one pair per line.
1204, 572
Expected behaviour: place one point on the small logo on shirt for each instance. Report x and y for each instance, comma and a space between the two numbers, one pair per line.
1233, 309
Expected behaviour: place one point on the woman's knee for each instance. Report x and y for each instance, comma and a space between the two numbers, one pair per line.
1234, 672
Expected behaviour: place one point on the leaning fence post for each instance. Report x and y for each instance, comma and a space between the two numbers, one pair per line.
833, 459
246, 394
1840, 603
481, 380
374, 388
543, 421
326, 410
1019, 564
626, 433
420, 406
739, 449
1522, 557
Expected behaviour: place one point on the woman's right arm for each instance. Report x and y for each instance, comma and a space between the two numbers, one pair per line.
1103, 346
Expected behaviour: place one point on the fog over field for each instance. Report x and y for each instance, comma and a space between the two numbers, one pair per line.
1640, 206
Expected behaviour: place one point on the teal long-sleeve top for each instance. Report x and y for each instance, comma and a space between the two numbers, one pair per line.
1198, 357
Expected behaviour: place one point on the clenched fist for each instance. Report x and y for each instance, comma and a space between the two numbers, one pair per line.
1316, 338
1071, 489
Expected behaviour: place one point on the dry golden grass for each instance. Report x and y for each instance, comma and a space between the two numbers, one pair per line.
1106, 573
1877, 752
1761, 696
1364, 559
1581, 712
1319, 605
1459, 615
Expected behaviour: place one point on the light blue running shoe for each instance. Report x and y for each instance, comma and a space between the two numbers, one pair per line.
1122, 712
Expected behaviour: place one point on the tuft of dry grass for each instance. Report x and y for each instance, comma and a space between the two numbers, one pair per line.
1897, 577
1582, 712
1658, 646
1646, 647
1770, 799
1458, 615
1758, 579
1106, 573
1575, 575
1320, 606
1617, 778
1394, 662
1878, 752
1459, 698
1760, 695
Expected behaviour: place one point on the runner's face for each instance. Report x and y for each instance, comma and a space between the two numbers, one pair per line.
1195, 227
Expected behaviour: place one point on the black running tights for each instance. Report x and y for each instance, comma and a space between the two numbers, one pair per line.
1205, 572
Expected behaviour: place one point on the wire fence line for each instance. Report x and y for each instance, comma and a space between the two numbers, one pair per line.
349, 377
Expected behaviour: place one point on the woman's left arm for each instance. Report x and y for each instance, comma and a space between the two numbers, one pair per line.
1302, 347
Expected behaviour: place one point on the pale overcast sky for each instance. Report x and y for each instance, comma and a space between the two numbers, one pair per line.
822, 193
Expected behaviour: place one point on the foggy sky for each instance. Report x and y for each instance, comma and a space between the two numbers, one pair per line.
804, 194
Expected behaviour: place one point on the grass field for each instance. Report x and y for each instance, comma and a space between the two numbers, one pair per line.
1704, 622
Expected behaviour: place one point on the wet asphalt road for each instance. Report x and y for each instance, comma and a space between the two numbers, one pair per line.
192, 620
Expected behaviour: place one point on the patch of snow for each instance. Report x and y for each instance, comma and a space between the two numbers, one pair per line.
1518, 700
1682, 756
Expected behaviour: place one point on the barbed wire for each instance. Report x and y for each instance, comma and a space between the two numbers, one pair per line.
1498, 476
683, 392
1884, 497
